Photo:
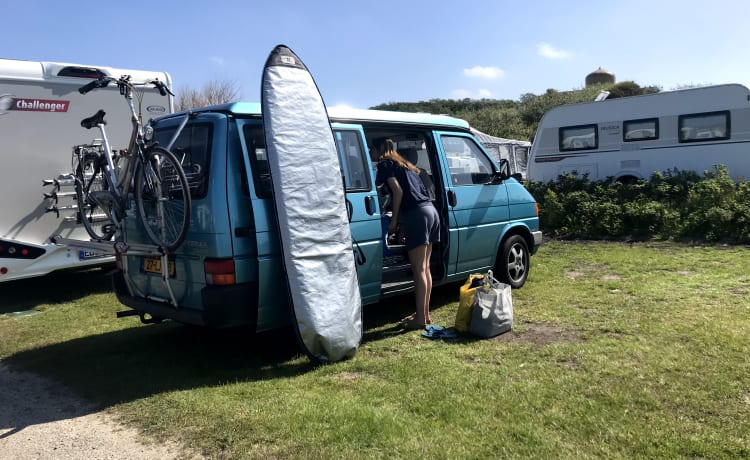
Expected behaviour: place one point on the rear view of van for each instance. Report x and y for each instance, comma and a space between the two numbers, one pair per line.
229, 271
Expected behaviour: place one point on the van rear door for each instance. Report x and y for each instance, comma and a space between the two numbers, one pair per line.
477, 210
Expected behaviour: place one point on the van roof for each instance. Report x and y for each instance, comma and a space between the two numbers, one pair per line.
347, 114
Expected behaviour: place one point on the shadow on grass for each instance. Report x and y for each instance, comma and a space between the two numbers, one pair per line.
65, 286
141, 361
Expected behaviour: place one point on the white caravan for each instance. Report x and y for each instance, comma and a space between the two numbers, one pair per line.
40, 122
630, 138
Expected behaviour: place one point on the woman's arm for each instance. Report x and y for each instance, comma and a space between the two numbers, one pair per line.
396, 194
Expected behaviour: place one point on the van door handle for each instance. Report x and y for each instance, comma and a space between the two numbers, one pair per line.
452, 198
370, 205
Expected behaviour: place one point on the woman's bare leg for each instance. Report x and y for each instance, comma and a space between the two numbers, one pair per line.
422, 281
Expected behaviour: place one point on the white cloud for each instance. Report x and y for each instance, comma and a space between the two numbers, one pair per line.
549, 51
469, 94
484, 72
217, 60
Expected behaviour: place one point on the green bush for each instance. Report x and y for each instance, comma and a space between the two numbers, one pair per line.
671, 205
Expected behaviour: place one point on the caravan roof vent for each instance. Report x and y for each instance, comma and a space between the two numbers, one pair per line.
80, 72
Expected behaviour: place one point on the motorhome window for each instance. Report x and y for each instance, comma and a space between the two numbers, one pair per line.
640, 130
352, 158
256, 149
700, 127
467, 163
193, 149
578, 138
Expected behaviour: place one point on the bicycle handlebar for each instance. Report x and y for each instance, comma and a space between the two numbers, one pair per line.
98, 83
102, 82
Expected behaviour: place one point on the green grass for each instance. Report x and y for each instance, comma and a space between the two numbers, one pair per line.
618, 351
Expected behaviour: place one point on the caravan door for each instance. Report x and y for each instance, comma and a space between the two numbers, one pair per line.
477, 210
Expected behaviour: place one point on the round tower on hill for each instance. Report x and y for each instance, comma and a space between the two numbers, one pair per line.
600, 77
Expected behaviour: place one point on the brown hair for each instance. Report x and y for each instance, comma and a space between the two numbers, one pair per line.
387, 151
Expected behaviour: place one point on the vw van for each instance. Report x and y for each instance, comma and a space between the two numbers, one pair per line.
229, 270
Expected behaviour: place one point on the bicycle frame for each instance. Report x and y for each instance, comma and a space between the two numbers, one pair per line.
122, 182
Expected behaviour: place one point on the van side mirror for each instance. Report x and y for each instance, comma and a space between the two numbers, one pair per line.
502, 173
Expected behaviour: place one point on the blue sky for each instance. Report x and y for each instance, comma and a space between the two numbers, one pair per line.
366, 53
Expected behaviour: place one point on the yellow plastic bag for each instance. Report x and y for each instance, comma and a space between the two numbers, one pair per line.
466, 302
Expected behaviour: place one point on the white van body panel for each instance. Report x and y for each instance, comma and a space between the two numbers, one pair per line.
633, 137
40, 116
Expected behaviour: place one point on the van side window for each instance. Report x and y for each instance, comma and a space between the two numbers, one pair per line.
193, 149
256, 150
352, 159
699, 127
468, 164
578, 138
640, 130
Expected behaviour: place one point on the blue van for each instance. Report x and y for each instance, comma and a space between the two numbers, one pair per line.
228, 272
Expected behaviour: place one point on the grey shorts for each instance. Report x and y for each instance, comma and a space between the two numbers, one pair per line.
421, 226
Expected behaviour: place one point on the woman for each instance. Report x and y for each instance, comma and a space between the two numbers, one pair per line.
411, 207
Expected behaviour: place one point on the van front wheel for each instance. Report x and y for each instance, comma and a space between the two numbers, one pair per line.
512, 266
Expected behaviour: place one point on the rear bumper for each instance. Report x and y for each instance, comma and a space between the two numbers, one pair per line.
537, 241
223, 306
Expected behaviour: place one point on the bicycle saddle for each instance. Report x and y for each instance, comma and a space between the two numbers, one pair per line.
94, 120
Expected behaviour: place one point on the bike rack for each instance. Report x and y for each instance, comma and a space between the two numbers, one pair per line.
121, 248
63, 180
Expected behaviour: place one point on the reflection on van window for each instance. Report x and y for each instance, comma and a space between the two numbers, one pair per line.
467, 163
193, 150
704, 126
256, 149
640, 130
348, 144
578, 138
351, 157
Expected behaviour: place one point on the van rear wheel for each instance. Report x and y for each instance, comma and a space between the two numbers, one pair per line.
512, 266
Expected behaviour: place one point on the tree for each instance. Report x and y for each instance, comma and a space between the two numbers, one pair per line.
214, 92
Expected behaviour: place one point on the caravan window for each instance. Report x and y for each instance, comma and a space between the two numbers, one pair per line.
640, 130
578, 138
701, 127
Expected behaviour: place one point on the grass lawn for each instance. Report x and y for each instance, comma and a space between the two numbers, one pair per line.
618, 351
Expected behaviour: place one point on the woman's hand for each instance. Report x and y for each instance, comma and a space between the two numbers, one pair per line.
392, 227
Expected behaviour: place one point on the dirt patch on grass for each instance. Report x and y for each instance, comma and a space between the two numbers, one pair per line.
540, 334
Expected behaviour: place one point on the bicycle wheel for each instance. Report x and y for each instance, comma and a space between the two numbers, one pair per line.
94, 215
162, 196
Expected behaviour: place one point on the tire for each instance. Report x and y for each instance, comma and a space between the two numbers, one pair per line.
89, 180
162, 196
512, 266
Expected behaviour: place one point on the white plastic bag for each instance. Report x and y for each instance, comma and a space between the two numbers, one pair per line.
492, 313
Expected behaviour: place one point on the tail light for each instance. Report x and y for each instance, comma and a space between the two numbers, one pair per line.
219, 272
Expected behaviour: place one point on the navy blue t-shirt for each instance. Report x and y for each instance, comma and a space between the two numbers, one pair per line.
415, 193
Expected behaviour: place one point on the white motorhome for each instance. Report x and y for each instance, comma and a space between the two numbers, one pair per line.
40, 122
630, 138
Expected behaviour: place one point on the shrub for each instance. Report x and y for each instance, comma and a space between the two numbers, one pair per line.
670, 205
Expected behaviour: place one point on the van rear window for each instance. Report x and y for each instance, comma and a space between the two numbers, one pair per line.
193, 150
